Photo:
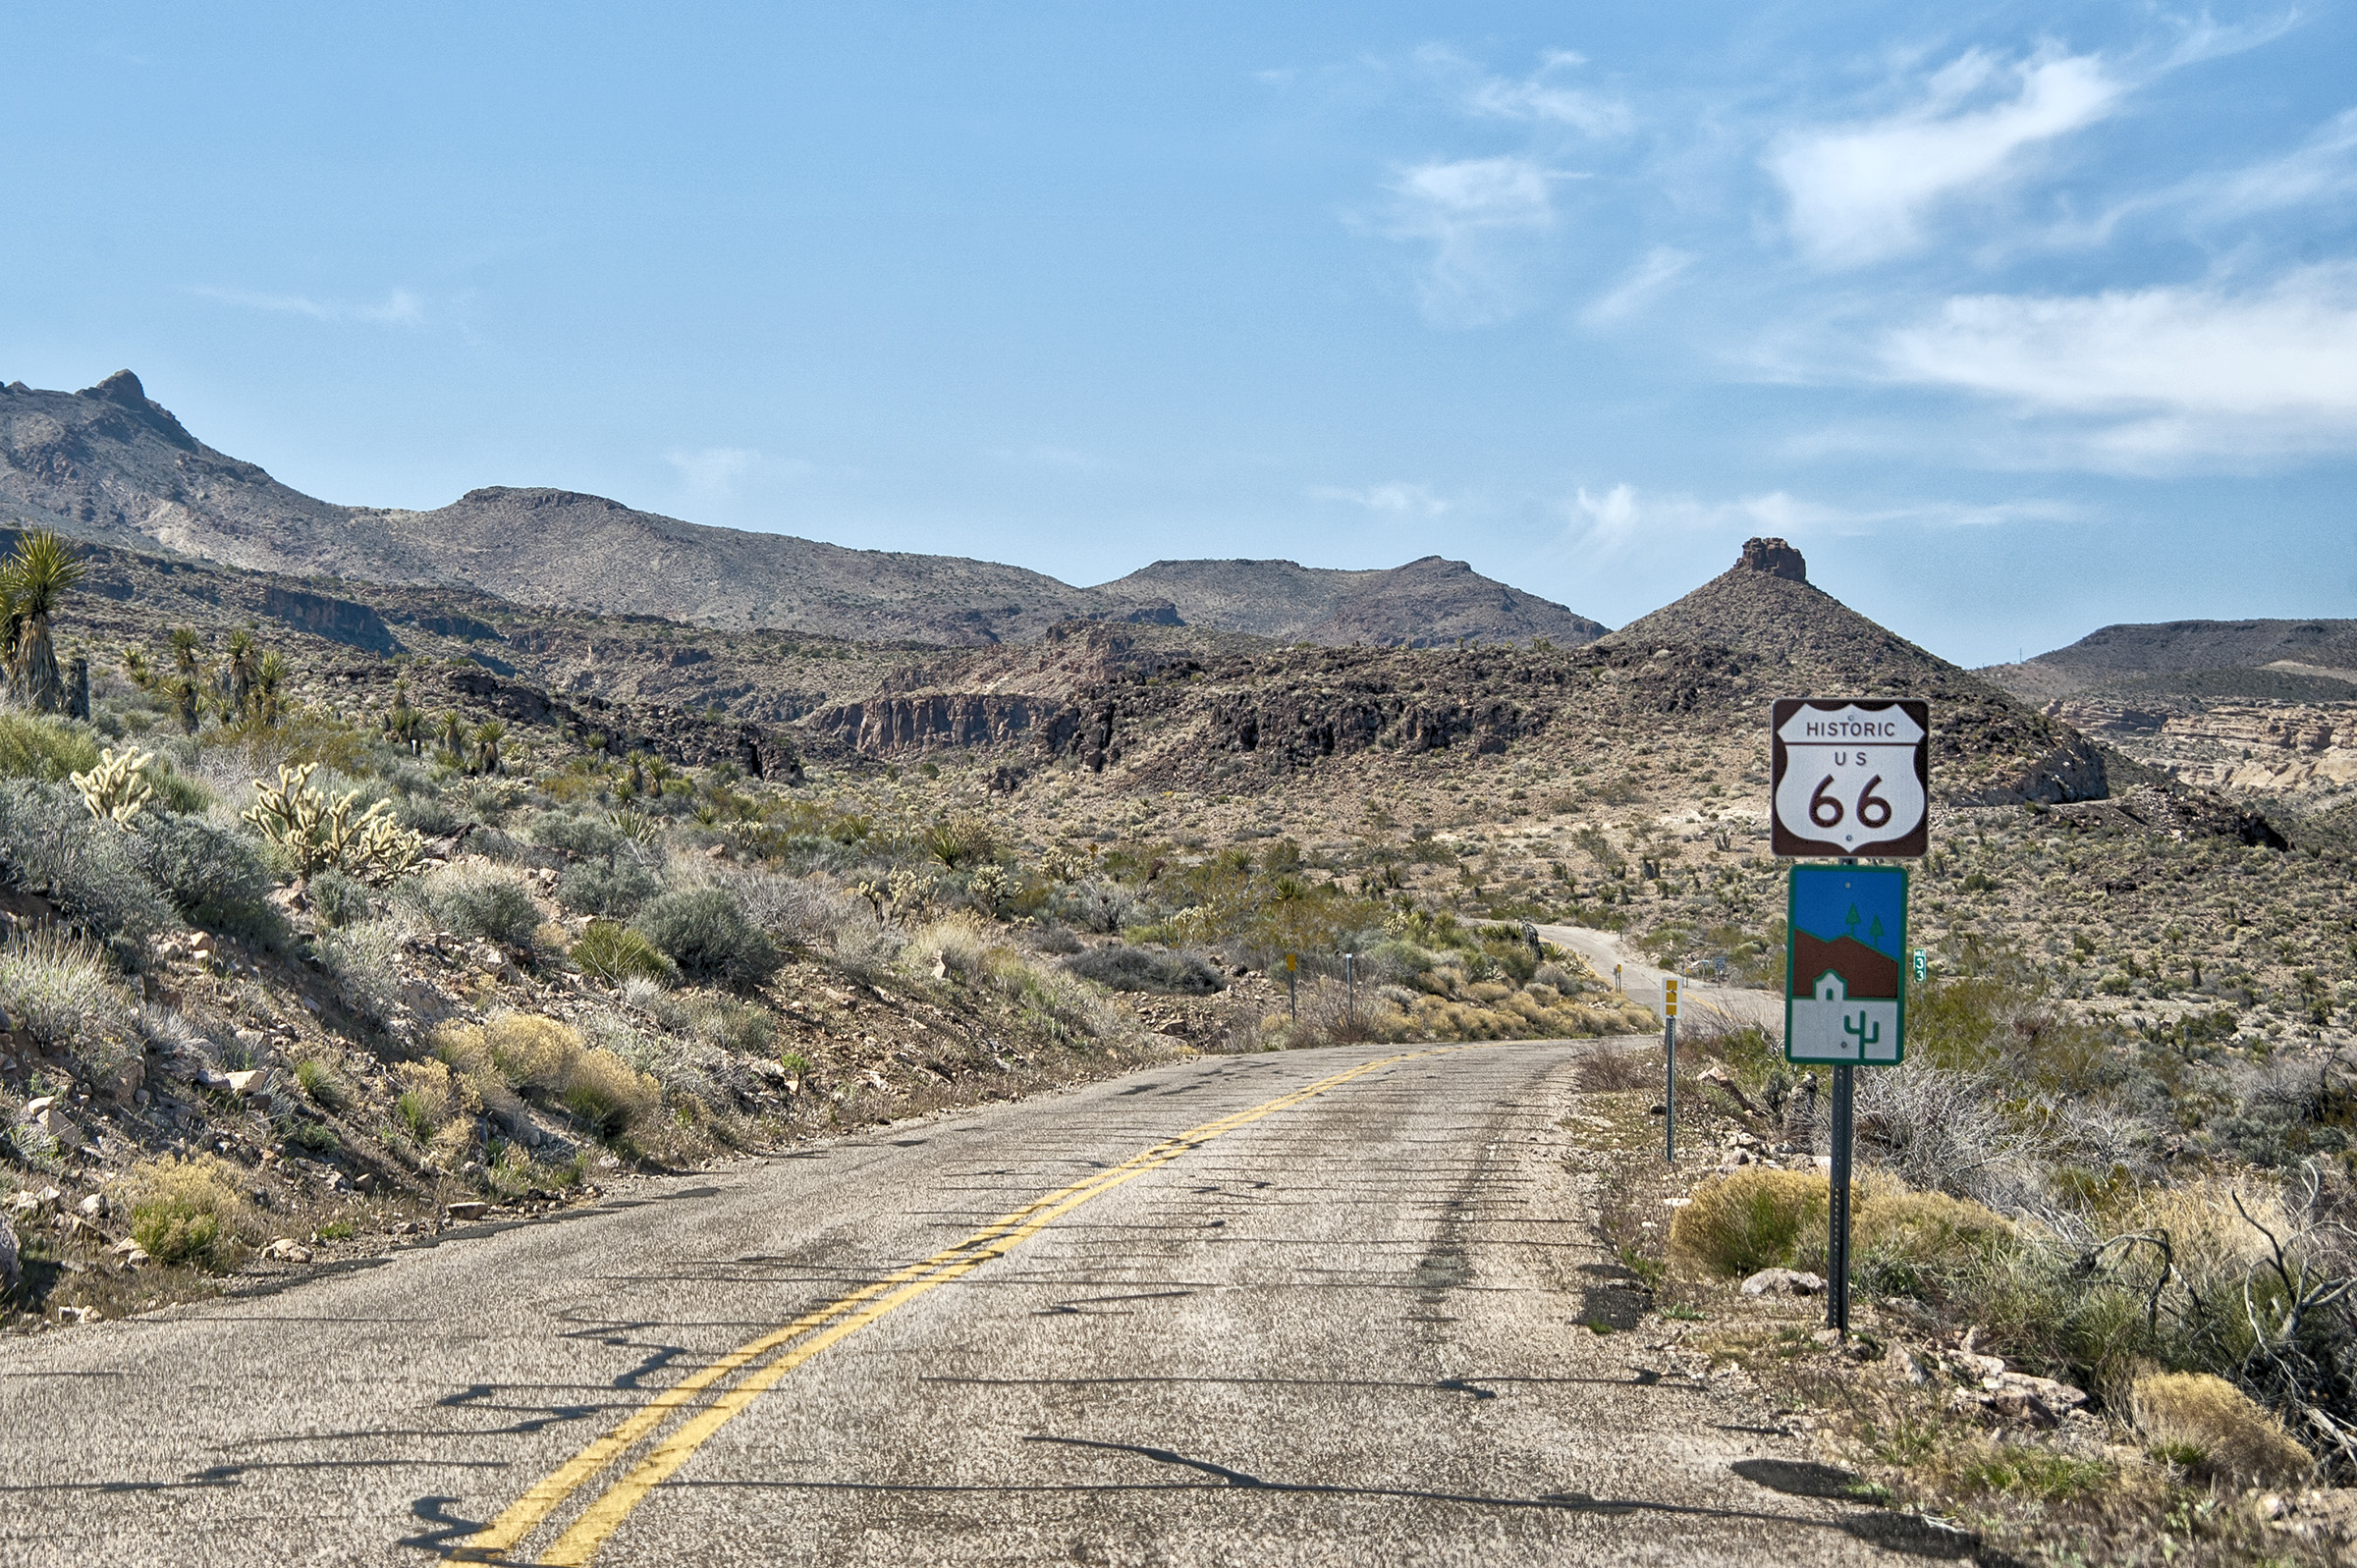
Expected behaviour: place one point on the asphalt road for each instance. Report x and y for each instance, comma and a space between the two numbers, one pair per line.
1643, 981
1318, 1307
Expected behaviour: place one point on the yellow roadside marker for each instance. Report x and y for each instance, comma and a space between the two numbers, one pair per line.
816, 1330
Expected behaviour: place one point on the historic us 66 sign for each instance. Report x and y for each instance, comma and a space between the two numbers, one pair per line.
1850, 778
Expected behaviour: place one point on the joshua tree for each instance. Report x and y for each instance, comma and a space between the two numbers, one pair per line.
34, 581
454, 736
487, 736
135, 665
268, 676
243, 665
408, 727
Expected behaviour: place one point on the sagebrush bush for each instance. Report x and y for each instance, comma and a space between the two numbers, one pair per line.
614, 953
342, 900
612, 888
576, 835
62, 992
1752, 1219
50, 840
706, 933
480, 902
214, 877
608, 1095
1126, 968
189, 1212
2214, 1428
43, 747
1097, 905
365, 958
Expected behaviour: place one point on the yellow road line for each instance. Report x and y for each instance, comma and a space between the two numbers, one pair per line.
846, 1316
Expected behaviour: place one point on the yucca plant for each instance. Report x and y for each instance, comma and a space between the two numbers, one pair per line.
487, 736
135, 667
181, 689
34, 579
243, 665
183, 651
268, 676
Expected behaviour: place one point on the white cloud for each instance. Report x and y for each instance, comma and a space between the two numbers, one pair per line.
1542, 97
2160, 376
1861, 192
1068, 458
1645, 281
1476, 214
1624, 520
399, 307
718, 472
1396, 498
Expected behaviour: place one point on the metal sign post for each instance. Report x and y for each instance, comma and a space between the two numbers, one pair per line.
1669, 1056
1292, 1003
1850, 778
1350, 989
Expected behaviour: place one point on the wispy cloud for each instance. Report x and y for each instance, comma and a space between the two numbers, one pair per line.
1624, 520
1070, 459
397, 308
715, 474
1660, 267
1478, 216
1861, 192
1543, 97
2160, 376
1396, 498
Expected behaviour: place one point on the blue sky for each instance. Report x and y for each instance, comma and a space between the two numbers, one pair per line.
2017, 319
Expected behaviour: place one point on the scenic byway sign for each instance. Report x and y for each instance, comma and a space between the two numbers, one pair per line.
1850, 778
1845, 989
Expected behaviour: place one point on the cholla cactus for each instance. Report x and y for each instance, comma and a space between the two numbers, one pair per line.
320, 834
1071, 865
118, 787
988, 888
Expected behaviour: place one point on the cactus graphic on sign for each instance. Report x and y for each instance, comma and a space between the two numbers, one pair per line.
1845, 987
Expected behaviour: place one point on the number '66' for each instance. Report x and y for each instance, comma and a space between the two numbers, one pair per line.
1873, 810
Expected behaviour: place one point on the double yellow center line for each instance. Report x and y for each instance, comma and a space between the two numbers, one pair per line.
775, 1354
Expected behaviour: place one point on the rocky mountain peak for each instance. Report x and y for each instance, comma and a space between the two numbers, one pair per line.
121, 387
1774, 557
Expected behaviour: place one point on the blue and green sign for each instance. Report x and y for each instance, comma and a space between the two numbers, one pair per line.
1845, 987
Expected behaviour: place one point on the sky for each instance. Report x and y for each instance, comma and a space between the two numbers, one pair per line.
2019, 320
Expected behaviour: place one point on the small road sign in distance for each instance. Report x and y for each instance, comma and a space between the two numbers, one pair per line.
1846, 996
1850, 778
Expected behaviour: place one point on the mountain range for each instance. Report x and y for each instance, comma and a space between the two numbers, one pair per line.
112, 465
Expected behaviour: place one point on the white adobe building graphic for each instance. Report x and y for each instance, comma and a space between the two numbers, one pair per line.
1828, 1026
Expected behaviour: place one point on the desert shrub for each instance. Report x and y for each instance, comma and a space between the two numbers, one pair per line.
743, 1027
614, 887
1941, 1129
706, 933
428, 1099
320, 1085
430, 815
1125, 968
480, 901
48, 839
365, 958
2214, 1428
214, 878
1097, 905
608, 1096
576, 835
801, 911
614, 953
62, 990
1614, 1071
47, 749
188, 1212
1055, 939
341, 901
1053, 1000
1751, 1221
1913, 1243
512, 1050
859, 946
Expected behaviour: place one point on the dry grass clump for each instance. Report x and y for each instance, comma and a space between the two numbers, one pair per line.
2209, 1426
189, 1212
962, 949
515, 1052
1926, 1225
1751, 1221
